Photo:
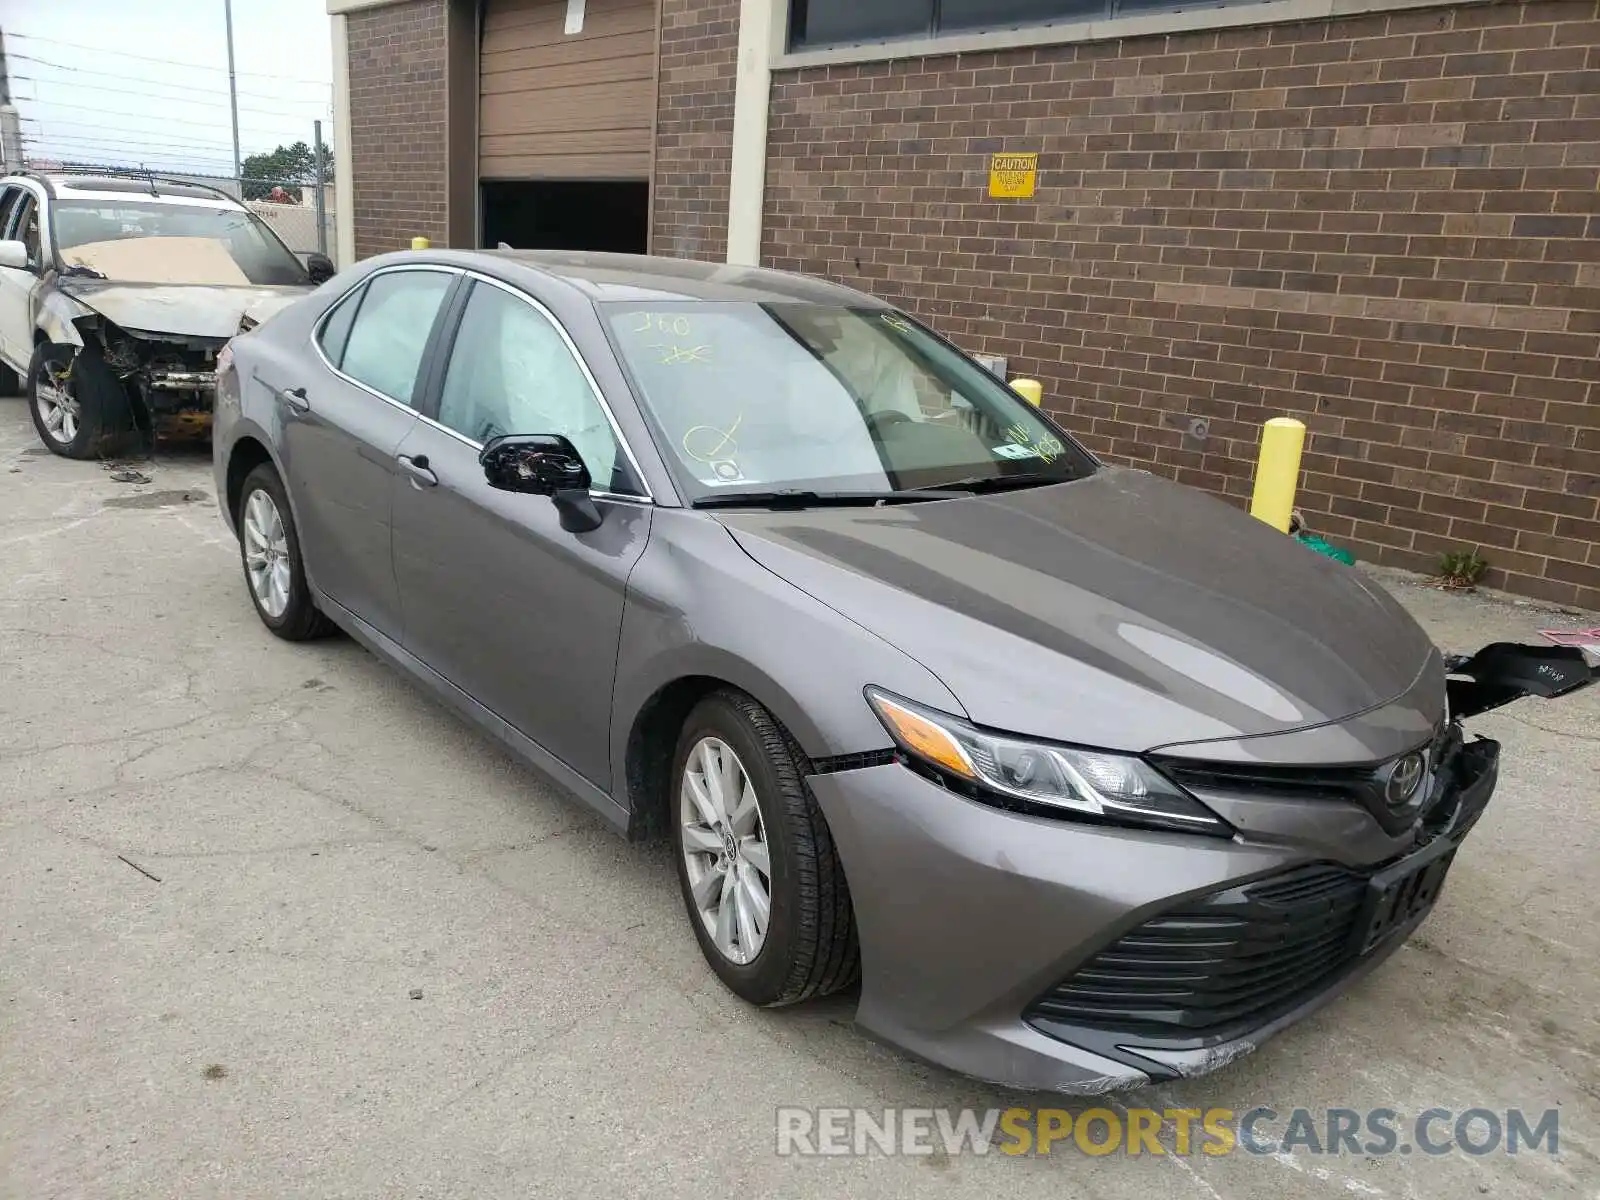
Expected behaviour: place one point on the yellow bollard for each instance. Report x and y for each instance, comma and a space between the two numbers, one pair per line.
1030, 390
1278, 472
420, 243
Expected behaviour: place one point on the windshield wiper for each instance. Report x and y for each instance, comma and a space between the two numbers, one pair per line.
977, 484
801, 498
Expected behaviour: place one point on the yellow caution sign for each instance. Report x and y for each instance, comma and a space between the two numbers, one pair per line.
1013, 176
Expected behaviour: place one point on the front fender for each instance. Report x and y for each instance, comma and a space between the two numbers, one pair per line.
699, 606
57, 314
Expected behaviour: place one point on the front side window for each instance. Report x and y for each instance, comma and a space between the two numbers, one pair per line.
511, 372
778, 396
147, 241
27, 229
390, 332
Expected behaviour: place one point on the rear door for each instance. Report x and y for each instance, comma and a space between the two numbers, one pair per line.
498, 598
343, 422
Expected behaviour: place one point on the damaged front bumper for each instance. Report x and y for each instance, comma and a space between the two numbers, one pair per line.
1051, 955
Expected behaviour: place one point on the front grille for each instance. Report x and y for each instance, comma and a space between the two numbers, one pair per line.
1231, 957
1363, 785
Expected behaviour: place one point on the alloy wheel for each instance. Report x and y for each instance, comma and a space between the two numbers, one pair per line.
725, 850
266, 553
59, 414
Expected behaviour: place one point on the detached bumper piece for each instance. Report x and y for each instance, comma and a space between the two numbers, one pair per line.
1216, 968
1505, 671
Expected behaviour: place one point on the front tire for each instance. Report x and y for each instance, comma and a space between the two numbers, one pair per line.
78, 407
269, 550
762, 883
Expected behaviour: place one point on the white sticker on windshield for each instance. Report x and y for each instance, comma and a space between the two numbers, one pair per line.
1012, 450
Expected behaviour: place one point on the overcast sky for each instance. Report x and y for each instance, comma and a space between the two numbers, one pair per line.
146, 81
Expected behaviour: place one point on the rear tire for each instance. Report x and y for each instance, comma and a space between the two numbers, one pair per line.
78, 407
808, 945
269, 551
10, 381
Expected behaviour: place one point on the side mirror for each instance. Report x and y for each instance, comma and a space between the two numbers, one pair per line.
543, 464
14, 255
320, 267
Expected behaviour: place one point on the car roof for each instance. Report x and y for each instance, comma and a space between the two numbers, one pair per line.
639, 277
72, 185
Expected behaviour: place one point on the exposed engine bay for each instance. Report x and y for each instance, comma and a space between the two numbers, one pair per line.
170, 380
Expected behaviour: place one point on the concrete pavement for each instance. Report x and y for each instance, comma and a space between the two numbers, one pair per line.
384, 959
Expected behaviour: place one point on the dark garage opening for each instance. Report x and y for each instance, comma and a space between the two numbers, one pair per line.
567, 214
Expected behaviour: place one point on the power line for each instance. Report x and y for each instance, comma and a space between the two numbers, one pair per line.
219, 90
211, 152
160, 147
112, 139
97, 87
163, 120
40, 150
83, 129
171, 62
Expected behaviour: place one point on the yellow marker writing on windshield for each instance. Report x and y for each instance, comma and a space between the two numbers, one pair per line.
722, 449
672, 355
678, 325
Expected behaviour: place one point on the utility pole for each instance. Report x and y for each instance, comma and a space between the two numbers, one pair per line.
233, 96
319, 179
10, 122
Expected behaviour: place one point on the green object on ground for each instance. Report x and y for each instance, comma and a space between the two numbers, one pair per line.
1312, 541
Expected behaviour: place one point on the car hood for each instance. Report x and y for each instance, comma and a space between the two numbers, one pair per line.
1119, 611
180, 310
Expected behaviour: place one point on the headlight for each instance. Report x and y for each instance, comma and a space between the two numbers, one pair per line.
1119, 788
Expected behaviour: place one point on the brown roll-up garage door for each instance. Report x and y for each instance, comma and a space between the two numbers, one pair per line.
558, 105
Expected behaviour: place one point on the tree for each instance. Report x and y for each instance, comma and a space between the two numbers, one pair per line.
282, 167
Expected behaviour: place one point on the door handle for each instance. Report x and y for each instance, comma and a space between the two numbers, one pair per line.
295, 398
417, 468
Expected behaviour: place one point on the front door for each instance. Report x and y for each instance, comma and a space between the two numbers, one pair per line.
19, 221
342, 429
498, 598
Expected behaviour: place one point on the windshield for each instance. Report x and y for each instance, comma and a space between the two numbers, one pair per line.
146, 241
804, 396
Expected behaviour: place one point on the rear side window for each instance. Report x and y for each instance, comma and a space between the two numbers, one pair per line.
390, 331
336, 329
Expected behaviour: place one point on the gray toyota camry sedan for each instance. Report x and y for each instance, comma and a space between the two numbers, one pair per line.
1086, 779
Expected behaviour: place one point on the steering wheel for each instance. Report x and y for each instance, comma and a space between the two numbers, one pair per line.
878, 421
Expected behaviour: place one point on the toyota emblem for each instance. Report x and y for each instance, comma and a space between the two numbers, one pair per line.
1404, 779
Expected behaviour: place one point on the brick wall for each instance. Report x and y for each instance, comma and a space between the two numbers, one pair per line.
1384, 225
694, 128
397, 125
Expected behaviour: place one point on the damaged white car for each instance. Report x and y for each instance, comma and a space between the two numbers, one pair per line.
116, 292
